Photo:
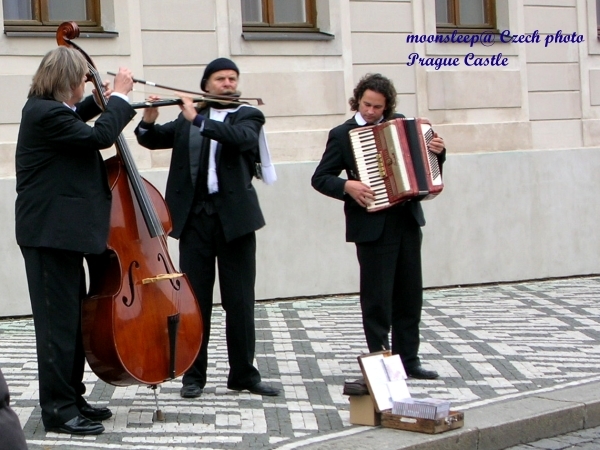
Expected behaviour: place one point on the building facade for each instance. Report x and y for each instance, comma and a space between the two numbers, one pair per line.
513, 86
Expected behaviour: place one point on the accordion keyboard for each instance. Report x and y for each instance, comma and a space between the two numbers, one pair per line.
367, 164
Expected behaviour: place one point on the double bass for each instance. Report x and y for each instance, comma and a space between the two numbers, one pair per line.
141, 323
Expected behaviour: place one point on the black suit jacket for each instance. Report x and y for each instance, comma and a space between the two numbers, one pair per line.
361, 226
236, 202
63, 197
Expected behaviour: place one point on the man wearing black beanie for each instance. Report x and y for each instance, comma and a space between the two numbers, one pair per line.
216, 66
215, 213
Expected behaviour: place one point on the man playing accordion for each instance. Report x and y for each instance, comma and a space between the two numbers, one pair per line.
388, 241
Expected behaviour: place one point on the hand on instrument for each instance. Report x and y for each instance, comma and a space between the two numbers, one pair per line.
436, 145
106, 90
361, 193
123, 81
151, 114
188, 109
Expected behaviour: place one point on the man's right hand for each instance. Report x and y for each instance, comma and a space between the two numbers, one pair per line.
360, 192
123, 81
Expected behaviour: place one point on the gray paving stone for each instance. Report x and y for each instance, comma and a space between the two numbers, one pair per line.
551, 444
491, 344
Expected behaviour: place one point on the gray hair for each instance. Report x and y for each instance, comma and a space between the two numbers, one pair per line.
60, 71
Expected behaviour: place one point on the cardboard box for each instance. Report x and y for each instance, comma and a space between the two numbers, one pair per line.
362, 411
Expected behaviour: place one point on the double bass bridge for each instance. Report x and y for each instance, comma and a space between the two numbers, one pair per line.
160, 277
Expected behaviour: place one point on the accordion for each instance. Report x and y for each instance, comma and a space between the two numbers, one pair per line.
393, 159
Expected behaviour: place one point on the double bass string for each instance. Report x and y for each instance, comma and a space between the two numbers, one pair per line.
152, 220
154, 225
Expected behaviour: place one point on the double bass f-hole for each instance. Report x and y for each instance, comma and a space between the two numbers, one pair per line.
128, 302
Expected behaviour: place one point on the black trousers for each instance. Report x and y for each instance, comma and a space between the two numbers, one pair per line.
12, 436
391, 287
201, 243
56, 281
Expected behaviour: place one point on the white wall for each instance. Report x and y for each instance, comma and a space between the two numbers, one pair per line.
501, 217
523, 141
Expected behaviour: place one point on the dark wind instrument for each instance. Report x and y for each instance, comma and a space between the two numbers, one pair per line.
234, 99
141, 323
173, 101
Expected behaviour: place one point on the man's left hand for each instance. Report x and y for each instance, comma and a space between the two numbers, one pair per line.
436, 145
188, 108
106, 90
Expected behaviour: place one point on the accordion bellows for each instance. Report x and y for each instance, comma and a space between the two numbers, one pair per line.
393, 159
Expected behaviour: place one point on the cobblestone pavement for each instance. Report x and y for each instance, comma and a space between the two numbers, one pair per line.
579, 440
489, 343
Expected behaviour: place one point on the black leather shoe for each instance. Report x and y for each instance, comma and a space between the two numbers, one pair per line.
79, 425
96, 414
422, 374
258, 389
191, 391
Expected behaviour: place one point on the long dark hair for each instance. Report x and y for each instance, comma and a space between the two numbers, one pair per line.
377, 83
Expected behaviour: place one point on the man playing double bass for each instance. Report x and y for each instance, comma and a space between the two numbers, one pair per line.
62, 213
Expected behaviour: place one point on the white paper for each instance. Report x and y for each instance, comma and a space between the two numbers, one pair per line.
378, 380
398, 390
386, 377
394, 368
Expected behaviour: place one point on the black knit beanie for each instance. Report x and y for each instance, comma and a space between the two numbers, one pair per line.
215, 66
